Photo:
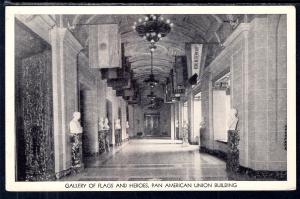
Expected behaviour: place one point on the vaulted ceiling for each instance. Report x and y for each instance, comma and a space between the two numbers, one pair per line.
187, 28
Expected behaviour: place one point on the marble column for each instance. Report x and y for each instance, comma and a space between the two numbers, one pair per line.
173, 122
65, 95
90, 122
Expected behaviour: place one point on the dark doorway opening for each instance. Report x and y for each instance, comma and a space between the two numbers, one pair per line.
152, 125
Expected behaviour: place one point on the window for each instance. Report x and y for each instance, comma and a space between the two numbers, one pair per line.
197, 115
221, 107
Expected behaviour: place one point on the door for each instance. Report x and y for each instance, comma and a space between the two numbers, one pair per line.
152, 123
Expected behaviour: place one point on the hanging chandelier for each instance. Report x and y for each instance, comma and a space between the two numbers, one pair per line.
153, 27
151, 80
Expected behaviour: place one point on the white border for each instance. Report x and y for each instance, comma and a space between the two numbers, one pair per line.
11, 11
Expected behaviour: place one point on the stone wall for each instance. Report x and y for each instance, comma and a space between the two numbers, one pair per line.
255, 53
267, 93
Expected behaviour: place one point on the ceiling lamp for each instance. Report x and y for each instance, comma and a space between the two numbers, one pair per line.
152, 47
151, 80
151, 96
152, 27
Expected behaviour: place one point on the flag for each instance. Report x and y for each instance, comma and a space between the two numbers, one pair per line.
104, 46
196, 53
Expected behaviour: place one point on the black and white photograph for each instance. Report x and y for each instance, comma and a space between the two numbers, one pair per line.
112, 98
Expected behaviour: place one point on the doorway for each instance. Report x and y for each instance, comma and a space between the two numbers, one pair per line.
152, 124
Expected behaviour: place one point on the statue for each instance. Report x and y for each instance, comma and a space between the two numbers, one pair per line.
106, 134
117, 124
185, 132
101, 124
185, 124
75, 127
127, 124
202, 123
176, 124
76, 131
233, 120
105, 124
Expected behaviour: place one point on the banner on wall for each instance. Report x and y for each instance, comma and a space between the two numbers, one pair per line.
196, 53
104, 46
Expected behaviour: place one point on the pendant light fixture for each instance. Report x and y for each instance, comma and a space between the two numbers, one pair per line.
151, 80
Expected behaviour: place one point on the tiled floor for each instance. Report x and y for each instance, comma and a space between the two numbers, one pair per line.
153, 159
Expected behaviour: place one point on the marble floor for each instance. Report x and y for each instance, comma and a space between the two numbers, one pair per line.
153, 159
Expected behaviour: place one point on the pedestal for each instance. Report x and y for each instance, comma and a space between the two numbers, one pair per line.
201, 137
103, 141
232, 163
118, 138
185, 135
76, 141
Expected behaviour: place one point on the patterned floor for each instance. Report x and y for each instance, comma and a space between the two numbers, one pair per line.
153, 159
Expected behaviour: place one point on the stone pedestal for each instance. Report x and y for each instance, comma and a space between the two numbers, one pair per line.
118, 138
76, 141
103, 141
232, 163
185, 134
201, 137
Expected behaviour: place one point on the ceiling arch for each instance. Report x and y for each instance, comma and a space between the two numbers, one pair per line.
186, 29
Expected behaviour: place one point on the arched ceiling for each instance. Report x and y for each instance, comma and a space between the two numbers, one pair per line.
187, 28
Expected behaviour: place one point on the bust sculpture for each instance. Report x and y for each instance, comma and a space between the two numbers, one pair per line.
176, 123
105, 125
202, 123
185, 132
127, 124
101, 124
117, 124
233, 120
75, 127
185, 124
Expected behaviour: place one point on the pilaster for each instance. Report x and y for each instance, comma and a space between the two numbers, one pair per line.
65, 95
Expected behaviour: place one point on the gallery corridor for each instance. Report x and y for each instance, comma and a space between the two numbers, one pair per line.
100, 98
153, 159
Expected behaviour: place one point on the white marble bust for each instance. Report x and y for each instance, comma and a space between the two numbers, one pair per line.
105, 125
101, 124
117, 124
75, 127
202, 123
176, 123
233, 120
185, 124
